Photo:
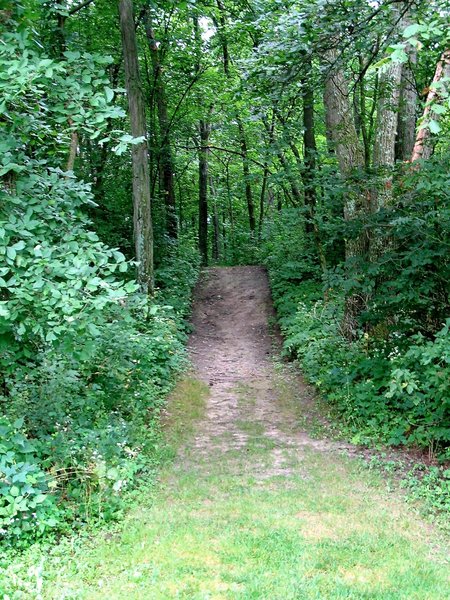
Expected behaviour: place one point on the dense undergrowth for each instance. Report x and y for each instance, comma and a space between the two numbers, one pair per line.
91, 425
390, 383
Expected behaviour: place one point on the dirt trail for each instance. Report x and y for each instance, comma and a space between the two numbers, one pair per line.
231, 349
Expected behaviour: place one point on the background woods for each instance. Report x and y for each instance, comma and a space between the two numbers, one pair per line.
140, 139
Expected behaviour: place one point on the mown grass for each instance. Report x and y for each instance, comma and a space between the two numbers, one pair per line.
236, 526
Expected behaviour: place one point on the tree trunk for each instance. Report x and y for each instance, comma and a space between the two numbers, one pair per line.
142, 220
340, 124
223, 37
407, 111
165, 150
343, 138
215, 219
242, 139
296, 194
205, 130
246, 172
341, 132
387, 116
262, 199
423, 147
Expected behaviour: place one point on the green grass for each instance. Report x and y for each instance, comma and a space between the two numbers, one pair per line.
260, 523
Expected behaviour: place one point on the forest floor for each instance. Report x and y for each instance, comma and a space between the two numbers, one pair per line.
258, 503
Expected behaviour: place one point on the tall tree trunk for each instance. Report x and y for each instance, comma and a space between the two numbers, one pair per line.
221, 26
309, 171
364, 118
246, 172
423, 146
340, 124
387, 116
142, 220
165, 150
262, 198
215, 219
205, 130
407, 110
341, 132
265, 177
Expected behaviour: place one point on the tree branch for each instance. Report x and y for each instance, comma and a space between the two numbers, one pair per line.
228, 150
77, 8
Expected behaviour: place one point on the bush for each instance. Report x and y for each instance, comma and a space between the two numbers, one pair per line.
26, 500
92, 405
391, 383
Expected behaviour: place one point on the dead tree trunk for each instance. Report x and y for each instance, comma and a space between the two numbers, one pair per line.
142, 220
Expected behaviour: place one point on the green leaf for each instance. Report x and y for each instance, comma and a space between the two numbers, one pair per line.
4, 310
434, 126
19, 245
109, 93
439, 109
93, 330
72, 56
11, 252
412, 30
14, 491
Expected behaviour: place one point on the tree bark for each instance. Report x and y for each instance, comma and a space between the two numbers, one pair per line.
142, 220
205, 130
387, 116
341, 132
296, 194
242, 139
309, 144
167, 167
340, 124
246, 172
73, 148
407, 112
309, 171
423, 146
262, 199
343, 139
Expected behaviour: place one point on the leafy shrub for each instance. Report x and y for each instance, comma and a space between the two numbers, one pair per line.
396, 391
26, 502
391, 383
92, 403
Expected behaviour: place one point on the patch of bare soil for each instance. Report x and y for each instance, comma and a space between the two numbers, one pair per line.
231, 350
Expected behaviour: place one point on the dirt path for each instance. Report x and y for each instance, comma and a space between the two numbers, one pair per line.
231, 350
254, 508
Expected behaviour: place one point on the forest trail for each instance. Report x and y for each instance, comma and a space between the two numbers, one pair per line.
231, 350
253, 507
